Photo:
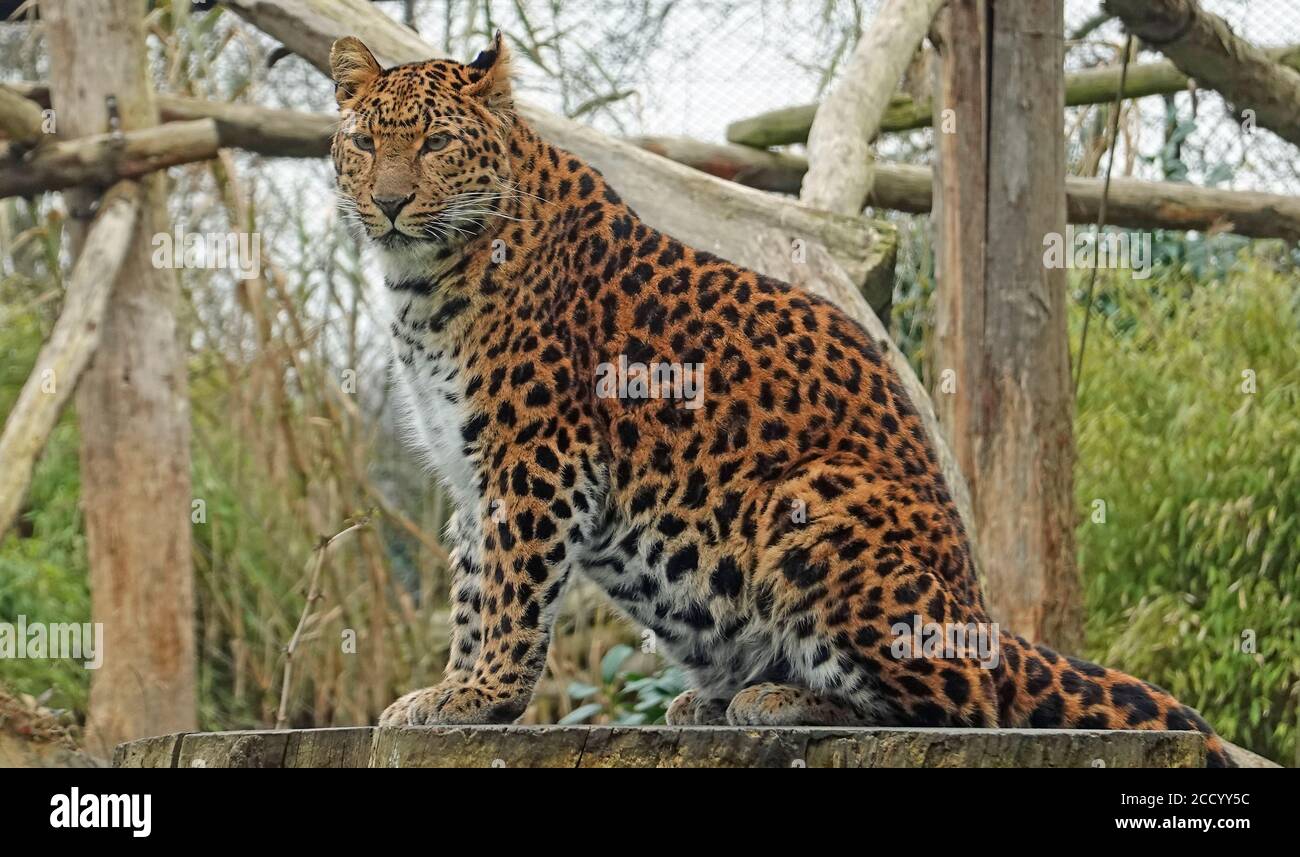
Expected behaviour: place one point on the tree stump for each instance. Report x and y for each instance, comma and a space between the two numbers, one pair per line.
665, 747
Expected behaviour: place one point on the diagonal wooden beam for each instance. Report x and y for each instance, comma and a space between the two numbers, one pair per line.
69, 349
20, 118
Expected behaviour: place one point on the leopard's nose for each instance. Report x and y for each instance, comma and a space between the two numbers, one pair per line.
392, 206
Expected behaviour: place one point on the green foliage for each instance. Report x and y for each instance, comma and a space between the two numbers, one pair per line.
1193, 578
624, 697
43, 572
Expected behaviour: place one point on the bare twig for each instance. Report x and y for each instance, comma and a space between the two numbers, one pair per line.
313, 595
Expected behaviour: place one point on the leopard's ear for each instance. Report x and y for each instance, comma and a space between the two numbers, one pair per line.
353, 67
492, 83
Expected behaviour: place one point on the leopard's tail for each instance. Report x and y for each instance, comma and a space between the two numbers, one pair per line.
1039, 688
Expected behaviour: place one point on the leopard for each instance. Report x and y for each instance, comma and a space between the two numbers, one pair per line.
772, 531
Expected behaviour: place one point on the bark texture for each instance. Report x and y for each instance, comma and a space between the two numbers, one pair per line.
666, 747
1000, 368
132, 405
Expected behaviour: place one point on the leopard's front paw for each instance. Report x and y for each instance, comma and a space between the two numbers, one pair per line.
453, 704
694, 709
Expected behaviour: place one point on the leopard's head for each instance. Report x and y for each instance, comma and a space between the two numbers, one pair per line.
420, 149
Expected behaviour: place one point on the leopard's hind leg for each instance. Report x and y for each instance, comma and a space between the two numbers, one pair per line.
842, 586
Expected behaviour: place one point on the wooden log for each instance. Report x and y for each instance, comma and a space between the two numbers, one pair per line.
69, 349
157, 752
133, 402
746, 226
789, 125
902, 187
100, 160
667, 747
1202, 45
899, 187
960, 220
276, 133
840, 157
1013, 362
267, 131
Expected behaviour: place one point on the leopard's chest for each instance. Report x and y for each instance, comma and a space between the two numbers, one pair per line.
430, 384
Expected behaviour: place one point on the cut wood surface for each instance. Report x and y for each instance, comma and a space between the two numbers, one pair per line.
102, 159
69, 349
1203, 46
665, 747
788, 125
840, 157
746, 226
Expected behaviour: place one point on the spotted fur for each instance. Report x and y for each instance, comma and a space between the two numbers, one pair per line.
771, 539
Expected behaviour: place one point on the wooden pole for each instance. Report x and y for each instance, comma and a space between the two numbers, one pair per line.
960, 219
1002, 361
1134, 204
70, 347
132, 404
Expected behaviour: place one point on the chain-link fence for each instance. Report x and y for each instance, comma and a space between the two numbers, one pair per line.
1192, 135
691, 67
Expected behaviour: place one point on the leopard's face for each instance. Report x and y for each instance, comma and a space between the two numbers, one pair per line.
420, 150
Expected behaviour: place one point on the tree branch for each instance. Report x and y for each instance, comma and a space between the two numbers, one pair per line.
1203, 45
1093, 86
840, 158
104, 159
69, 349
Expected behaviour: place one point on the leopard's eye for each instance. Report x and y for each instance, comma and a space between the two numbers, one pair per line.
364, 142
435, 142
